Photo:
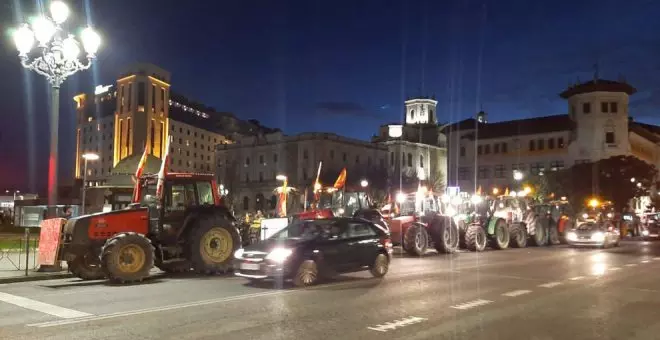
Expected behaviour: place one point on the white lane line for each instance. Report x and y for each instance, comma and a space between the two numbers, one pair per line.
631, 265
615, 268
656, 258
389, 326
42, 307
516, 293
550, 284
472, 304
645, 261
576, 278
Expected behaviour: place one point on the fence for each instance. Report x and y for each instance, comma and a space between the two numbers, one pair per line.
15, 256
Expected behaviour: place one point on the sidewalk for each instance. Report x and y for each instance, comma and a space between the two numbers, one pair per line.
13, 263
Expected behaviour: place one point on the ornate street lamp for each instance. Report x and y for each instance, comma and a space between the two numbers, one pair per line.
56, 58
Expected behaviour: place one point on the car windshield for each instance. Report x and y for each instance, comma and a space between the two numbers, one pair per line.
309, 229
590, 227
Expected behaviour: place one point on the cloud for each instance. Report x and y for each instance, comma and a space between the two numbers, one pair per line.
343, 109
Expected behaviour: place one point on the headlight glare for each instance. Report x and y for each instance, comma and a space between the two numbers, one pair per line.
279, 255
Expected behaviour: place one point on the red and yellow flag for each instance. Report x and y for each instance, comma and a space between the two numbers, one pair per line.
164, 166
138, 173
341, 180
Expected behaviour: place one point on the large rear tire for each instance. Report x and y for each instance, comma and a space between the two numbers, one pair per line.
212, 244
416, 240
501, 236
87, 267
462, 226
553, 235
475, 238
444, 233
536, 231
518, 235
127, 258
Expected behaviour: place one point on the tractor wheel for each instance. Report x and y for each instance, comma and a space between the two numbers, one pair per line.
212, 244
462, 226
416, 240
553, 235
537, 232
175, 266
518, 235
501, 236
444, 233
86, 267
475, 238
127, 258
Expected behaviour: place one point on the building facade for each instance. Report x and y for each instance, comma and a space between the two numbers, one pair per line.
598, 126
249, 167
118, 121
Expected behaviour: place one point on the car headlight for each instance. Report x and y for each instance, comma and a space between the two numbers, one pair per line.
571, 236
238, 254
598, 236
279, 255
645, 233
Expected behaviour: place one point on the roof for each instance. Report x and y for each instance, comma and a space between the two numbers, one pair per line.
648, 131
598, 85
529, 126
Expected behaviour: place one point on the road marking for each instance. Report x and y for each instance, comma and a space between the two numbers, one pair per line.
42, 307
517, 293
631, 265
576, 278
390, 326
550, 284
615, 268
472, 304
645, 261
656, 258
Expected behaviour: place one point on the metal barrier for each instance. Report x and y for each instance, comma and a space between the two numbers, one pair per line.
15, 256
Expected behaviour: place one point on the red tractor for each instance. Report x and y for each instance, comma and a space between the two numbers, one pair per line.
333, 202
186, 229
423, 223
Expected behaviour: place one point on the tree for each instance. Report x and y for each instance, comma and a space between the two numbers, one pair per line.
617, 179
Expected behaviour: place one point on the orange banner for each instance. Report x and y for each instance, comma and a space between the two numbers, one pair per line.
341, 180
49, 240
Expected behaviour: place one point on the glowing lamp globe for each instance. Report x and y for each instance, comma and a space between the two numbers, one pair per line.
44, 29
59, 11
24, 39
91, 40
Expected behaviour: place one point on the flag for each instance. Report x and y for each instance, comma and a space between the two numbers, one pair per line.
138, 174
479, 191
317, 185
163, 169
506, 192
281, 202
341, 180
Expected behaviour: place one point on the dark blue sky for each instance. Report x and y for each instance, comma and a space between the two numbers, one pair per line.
340, 66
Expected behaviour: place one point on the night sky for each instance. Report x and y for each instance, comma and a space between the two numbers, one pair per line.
338, 66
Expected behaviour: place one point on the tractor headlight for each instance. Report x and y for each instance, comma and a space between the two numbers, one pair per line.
571, 236
279, 255
238, 254
645, 233
585, 216
598, 236
451, 212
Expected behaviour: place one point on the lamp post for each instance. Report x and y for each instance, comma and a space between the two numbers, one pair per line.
87, 157
56, 58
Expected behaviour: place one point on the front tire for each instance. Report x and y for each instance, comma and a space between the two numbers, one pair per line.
127, 258
416, 240
475, 238
444, 233
381, 266
212, 245
535, 229
87, 267
501, 237
307, 274
518, 235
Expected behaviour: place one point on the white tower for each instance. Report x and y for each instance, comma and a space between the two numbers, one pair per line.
421, 111
599, 111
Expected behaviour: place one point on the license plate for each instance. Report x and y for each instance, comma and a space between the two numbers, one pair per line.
250, 266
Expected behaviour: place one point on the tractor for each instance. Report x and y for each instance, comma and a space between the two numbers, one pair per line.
187, 228
558, 217
423, 223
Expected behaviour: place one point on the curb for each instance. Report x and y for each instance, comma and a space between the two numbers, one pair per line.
42, 277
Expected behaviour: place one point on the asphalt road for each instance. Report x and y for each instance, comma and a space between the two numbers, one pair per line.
533, 293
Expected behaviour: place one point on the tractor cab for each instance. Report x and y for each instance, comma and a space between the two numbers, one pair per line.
510, 208
343, 203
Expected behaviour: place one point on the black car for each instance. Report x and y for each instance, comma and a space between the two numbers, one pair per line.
307, 250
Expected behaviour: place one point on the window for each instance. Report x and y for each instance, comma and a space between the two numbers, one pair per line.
499, 171
496, 148
332, 154
410, 160
274, 158
261, 177
141, 93
273, 202
560, 142
536, 168
586, 108
614, 107
344, 156
479, 150
246, 203
392, 158
205, 193
556, 165
121, 91
180, 196
261, 159
153, 97
487, 149
421, 161
582, 161
247, 176
357, 159
153, 135
162, 97
541, 144
518, 167
532, 146
305, 154
484, 172
551, 143
462, 152
505, 147
604, 107
609, 137
305, 174
130, 92
463, 173
356, 229
247, 161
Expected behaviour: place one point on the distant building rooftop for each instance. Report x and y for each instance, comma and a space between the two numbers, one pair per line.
529, 126
598, 85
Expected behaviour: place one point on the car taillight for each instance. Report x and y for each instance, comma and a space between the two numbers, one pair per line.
387, 243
